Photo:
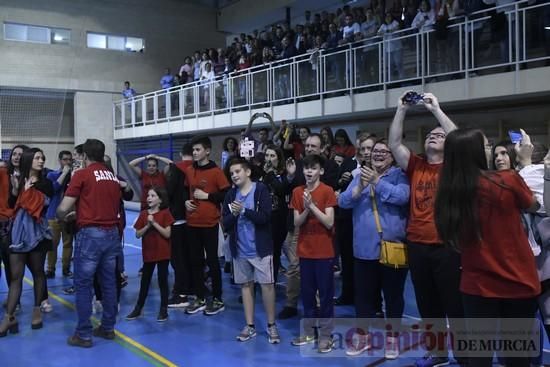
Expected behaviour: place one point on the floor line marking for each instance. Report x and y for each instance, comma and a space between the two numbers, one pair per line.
133, 246
146, 351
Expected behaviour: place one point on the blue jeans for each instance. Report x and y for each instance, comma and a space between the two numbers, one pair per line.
96, 249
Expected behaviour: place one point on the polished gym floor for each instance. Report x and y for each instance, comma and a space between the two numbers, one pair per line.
184, 340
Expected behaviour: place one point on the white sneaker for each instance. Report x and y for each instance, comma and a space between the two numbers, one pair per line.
359, 344
391, 350
46, 306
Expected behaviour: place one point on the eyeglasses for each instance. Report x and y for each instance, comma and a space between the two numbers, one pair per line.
435, 135
67, 159
381, 152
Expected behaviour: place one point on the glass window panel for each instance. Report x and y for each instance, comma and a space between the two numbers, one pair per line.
61, 36
115, 43
134, 44
15, 32
38, 34
97, 40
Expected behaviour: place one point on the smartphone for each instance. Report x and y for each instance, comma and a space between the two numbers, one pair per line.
515, 136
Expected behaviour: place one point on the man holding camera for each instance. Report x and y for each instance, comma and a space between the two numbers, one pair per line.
435, 268
263, 141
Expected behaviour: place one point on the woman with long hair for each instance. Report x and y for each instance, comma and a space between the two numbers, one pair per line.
503, 156
274, 178
343, 144
477, 212
230, 148
327, 141
13, 173
30, 237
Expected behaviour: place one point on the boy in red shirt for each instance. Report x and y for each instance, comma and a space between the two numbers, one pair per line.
207, 188
313, 206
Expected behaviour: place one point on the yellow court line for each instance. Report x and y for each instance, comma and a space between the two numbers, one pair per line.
122, 336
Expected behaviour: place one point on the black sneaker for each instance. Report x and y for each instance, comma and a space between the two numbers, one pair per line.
287, 313
227, 268
134, 314
178, 301
100, 332
67, 273
69, 290
50, 274
76, 341
163, 315
197, 306
430, 360
215, 307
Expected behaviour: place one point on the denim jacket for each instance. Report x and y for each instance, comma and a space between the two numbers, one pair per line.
392, 199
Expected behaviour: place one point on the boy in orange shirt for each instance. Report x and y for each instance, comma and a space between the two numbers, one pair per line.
313, 206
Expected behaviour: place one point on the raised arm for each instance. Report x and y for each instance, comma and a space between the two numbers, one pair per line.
400, 152
432, 105
249, 126
134, 164
165, 160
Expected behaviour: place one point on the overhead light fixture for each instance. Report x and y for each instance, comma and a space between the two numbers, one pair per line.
547, 28
58, 38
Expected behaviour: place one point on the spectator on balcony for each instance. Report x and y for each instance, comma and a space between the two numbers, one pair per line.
370, 26
392, 47
186, 68
167, 80
334, 37
425, 19
128, 92
288, 50
411, 9
350, 30
197, 66
299, 39
265, 38
278, 40
242, 65
205, 59
267, 55
207, 78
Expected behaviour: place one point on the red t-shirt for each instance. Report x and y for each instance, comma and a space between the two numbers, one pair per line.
155, 247
314, 239
5, 211
147, 181
423, 179
502, 265
347, 151
98, 196
209, 179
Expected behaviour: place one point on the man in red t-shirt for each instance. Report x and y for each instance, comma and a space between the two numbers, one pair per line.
95, 193
435, 269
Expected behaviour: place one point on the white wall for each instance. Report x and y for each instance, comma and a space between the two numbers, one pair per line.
93, 119
171, 29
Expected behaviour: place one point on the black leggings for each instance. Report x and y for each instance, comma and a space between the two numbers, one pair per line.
35, 261
5, 257
118, 278
162, 273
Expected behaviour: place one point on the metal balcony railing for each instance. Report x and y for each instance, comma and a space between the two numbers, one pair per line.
471, 46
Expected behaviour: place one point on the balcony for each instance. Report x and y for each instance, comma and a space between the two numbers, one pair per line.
472, 61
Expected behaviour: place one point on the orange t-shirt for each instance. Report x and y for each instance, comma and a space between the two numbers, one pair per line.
155, 247
314, 239
209, 179
423, 178
502, 265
